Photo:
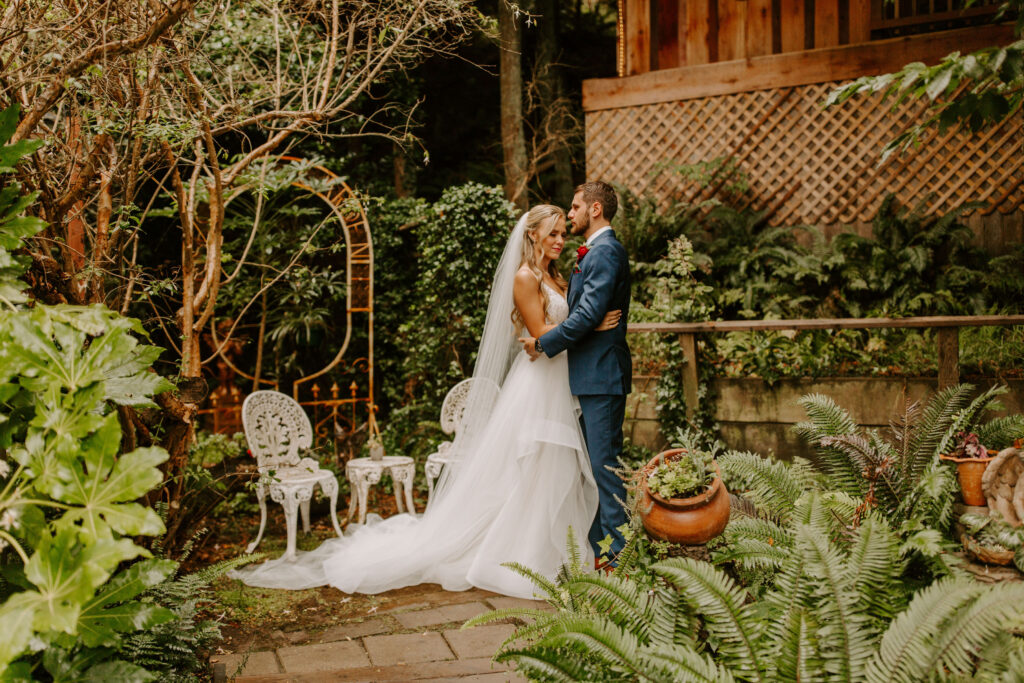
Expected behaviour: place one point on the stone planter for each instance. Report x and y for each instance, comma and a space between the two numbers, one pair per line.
969, 472
689, 521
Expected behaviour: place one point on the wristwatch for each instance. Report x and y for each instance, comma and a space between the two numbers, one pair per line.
537, 347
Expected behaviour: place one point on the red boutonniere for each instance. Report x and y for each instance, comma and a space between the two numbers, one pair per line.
581, 252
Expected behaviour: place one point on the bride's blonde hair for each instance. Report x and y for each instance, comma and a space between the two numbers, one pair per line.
540, 221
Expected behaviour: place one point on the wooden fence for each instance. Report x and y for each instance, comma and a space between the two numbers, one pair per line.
947, 329
759, 126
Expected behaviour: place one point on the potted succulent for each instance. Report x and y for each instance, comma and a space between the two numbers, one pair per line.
971, 459
681, 497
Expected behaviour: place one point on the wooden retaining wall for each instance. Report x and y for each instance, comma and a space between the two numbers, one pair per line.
759, 418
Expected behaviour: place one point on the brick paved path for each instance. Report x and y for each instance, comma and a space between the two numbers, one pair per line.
421, 641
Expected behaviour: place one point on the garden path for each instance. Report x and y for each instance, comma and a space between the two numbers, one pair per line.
411, 634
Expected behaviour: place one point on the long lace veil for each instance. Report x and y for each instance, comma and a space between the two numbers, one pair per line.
498, 348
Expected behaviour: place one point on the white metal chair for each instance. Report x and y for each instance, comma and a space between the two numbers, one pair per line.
277, 429
453, 410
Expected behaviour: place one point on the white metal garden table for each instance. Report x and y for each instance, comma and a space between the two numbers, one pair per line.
364, 472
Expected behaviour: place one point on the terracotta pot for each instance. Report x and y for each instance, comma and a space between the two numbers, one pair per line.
969, 472
689, 521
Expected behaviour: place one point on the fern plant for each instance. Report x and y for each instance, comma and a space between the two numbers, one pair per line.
836, 611
173, 649
899, 473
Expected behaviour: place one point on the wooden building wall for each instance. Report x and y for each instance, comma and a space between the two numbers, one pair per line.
664, 34
757, 123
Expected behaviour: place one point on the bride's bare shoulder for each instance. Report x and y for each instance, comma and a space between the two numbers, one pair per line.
525, 277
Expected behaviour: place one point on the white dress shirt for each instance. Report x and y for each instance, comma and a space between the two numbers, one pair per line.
590, 240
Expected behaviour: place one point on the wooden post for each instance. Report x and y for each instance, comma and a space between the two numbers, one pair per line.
949, 356
688, 342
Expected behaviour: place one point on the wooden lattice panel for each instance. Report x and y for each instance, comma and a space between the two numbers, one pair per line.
808, 164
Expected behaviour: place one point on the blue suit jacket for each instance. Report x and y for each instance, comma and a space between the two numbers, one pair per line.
599, 362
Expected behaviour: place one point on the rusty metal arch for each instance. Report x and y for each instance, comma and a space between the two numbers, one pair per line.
345, 205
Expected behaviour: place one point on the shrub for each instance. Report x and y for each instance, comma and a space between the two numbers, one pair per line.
67, 510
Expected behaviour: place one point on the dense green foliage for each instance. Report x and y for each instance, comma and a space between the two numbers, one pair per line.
976, 90
173, 649
67, 510
434, 279
732, 265
819, 578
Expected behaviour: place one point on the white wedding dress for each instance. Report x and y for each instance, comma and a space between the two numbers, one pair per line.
524, 480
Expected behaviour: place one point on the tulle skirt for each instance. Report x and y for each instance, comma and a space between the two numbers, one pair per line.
512, 497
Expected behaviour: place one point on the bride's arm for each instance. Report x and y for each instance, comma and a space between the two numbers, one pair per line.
530, 303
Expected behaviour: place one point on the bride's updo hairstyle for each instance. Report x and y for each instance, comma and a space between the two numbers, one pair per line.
540, 221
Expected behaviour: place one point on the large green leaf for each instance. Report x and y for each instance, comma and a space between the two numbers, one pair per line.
16, 617
103, 487
109, 612
10, 154
118, 670
50, 346
66, 573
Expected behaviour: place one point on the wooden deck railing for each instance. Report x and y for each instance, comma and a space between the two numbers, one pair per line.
947, 332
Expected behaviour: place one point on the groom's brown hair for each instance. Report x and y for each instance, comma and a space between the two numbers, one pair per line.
603, 194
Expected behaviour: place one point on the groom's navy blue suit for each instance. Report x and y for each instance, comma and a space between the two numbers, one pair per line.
600, 370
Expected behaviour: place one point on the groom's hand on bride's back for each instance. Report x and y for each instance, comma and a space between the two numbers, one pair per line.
529, 345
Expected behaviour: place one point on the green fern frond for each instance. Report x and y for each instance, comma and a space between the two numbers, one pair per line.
906, 653
1001, 432
672, 622
752, 553
629, 556
966, 419
846, 646
775, 485
796, 653
555, 595
977, 624
531, 632
833, 510
524, 613
828, 419
722, 605
620, 600
574, 558
171, 648
596, 637
545, 664
931, 500
1001, 659
841, 507
903, 428
874, 566
789, 596
933, 424
760, 529
681, 663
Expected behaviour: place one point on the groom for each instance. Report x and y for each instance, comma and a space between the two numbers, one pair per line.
600, 368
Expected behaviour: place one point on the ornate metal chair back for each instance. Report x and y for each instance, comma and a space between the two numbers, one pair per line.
276, 427
453, 410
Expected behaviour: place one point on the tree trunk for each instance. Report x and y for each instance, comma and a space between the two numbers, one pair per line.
550, 91
513, 140
401, 171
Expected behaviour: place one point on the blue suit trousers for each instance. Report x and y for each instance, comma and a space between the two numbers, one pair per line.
602, 429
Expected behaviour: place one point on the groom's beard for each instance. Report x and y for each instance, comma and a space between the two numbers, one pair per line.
579, 229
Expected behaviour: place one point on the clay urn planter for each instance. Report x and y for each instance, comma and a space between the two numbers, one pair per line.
969, 471
971, 459
688, 521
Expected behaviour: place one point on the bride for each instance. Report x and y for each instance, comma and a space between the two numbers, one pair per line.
522, 476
